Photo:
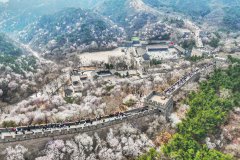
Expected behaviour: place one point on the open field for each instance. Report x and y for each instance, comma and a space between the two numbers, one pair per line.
102, 56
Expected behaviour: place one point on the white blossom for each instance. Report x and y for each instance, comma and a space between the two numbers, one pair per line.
12, 85
16, 153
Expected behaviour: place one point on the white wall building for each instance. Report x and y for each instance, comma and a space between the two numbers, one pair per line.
161, 52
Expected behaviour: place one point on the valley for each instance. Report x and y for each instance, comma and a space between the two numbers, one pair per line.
119, 79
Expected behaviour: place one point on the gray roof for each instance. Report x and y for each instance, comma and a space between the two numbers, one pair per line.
146, 57
156, 46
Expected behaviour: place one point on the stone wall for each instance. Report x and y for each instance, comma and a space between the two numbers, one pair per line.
38, 144
65, 131
192, 79
169, 108
61, 132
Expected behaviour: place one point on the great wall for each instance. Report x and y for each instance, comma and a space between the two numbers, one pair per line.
155, 103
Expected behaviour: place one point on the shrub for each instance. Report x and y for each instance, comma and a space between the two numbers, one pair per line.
70, 100
7, 124
130, 103
109, 88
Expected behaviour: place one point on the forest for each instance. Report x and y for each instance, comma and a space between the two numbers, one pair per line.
8, 48
208, 111
231, 18
11, 57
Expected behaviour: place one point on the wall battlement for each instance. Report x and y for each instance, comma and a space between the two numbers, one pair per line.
82, 129
156, 105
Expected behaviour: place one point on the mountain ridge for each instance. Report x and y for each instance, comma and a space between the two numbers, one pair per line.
72, 30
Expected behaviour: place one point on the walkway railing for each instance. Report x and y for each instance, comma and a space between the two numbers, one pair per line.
51, 130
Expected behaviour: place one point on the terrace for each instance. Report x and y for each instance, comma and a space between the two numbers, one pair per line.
158, 100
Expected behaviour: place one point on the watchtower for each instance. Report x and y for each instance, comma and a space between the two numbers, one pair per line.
158, 100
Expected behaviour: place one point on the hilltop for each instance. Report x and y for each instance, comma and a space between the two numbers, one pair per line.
132, 15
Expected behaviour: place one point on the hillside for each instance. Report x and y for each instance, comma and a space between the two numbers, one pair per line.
13, 58
20, 73
198, 8
71, 30
7, 47
119, 79
223, 14
232, 17
13, 65
129, 14
17, 14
